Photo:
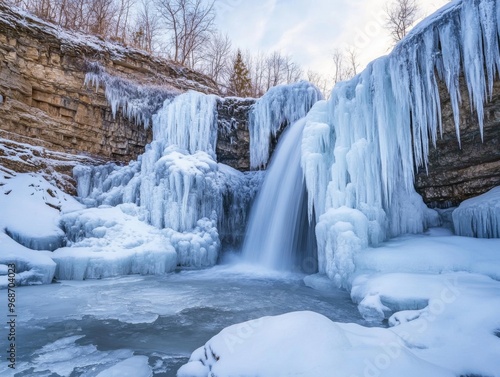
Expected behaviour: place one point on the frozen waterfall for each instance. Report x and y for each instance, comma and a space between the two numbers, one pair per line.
361, 149
278, 234
282, 105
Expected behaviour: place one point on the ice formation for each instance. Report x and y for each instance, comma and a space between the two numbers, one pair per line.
361, 148
479, 216
178, 183
281, 105
138, 102
112, 241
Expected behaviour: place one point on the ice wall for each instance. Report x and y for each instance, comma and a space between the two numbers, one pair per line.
281, 105
479, 216
361, 148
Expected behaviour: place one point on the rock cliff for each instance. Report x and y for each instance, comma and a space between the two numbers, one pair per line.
43, 99
456, 171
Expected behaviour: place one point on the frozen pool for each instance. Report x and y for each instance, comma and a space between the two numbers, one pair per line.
83, 328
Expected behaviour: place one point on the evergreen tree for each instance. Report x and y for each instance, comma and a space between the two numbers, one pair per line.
240, 83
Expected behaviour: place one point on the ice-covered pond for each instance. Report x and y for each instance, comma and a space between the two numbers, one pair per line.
83, 328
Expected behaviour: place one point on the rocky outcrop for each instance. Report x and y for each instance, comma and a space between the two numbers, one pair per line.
458, 172
233, 142
43, 99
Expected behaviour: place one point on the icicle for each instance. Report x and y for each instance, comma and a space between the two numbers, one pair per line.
138, 102
281, 104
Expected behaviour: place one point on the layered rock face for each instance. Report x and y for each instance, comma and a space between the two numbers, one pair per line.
44, 100
457, 172
233, 142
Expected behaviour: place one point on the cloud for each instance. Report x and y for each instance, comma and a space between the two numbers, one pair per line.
309, 30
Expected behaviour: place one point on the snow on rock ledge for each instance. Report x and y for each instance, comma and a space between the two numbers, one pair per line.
479, 216
30, 209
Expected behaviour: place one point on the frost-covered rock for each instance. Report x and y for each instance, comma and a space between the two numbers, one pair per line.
281, 105
178, 188
479, 216
112, 241
306, 344
138, 102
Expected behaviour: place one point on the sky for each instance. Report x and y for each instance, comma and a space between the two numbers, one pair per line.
310, 30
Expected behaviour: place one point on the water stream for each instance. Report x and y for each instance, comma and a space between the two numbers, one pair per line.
279, 235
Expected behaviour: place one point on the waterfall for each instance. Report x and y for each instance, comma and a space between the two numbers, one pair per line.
279, 235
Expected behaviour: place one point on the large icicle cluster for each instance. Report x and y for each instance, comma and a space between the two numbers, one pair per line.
178, 184
361, 148
138, 102
281, 105
189, 122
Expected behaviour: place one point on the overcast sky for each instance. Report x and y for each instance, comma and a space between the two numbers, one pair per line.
309, 30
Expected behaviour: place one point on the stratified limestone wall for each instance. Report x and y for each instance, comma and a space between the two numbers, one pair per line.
455, 172
44, 100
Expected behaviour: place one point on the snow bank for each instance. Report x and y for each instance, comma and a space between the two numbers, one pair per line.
361, 148
479, 216
30, 209
112, 241
448, 319
439, 292
32, 267
281, 105
305, 344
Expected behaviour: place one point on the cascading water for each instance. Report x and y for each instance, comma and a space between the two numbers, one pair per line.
279, 235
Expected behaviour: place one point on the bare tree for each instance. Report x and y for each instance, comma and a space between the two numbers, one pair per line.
190, 23
320, 81
122, 18
345, 64
101, 14
352, 60
216, 57
401, 15
146, 27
